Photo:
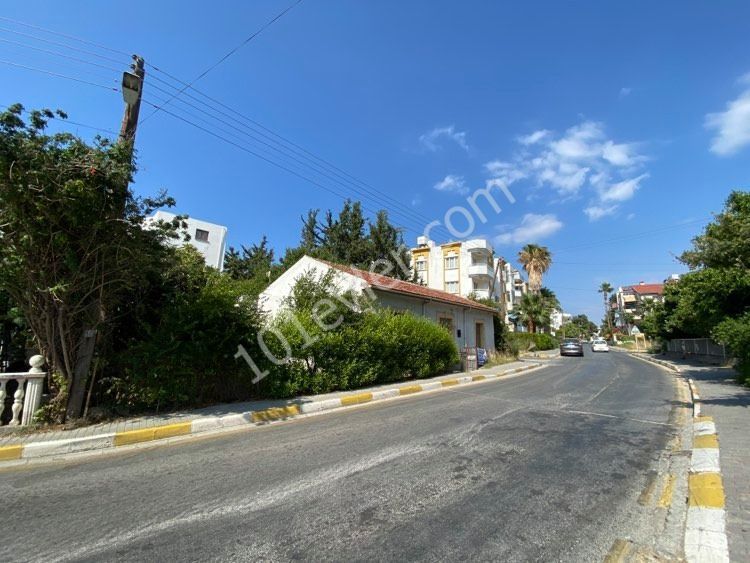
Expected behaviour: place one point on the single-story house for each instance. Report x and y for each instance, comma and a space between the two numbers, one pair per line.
470, 322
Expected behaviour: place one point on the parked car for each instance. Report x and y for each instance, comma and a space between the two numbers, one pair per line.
599, 345
571, 347
481, 357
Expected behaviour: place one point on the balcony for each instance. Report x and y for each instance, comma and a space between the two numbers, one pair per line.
478, 245
483, 270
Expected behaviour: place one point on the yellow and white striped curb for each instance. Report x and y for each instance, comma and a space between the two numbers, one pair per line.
56, 448
705, 528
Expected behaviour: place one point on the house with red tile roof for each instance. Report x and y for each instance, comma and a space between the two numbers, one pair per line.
630, 300
470, 323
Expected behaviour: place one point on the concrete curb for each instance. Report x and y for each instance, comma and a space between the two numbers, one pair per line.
705, 526
664, 363
207, 425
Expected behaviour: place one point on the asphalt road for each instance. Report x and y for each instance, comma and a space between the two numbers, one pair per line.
545, 466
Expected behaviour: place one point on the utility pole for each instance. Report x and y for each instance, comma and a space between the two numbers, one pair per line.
132, 91
499, 273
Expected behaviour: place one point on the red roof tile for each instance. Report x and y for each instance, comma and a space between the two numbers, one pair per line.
386, 283
648, 288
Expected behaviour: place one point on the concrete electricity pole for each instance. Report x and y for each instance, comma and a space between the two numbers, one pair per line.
132, 91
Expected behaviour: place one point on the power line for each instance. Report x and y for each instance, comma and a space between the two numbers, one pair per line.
229, 54
58, 75
55, 53
634, 235
58, 44
66, 36
66, 120
287, 144
314, 168
257, 155
358, 185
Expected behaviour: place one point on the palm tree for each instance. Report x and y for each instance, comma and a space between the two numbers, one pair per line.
536, 260
535, 308
605, 289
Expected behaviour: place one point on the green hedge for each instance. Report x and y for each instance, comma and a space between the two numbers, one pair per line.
735, 335
523, 341
380, 346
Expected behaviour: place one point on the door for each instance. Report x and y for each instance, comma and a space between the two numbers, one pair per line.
479, 338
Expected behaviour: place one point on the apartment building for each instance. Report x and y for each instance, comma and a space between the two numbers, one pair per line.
468, 268
630, 300
207, 238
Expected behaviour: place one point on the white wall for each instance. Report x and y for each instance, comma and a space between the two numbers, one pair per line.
213, 250
464, 319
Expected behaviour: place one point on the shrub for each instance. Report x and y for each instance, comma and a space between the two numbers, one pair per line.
355, 346
179, 350
735, 335
540, 341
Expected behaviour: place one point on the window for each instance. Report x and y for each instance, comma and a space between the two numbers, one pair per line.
446, 322
201, 235
451, 286
421, 265
451, 262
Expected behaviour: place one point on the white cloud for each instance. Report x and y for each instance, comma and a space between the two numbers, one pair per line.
582, 158
731, 126
622, 191
596, 212
452, 183
432, 139
625, 91
621, 154
534, 138
533, 228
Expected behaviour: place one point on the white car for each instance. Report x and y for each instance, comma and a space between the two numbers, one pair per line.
599, 345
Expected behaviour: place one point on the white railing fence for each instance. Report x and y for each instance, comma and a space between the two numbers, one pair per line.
27, 396
697, 347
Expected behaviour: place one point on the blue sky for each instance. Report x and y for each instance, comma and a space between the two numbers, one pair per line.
617, 128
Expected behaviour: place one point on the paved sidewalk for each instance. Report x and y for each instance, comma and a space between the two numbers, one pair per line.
21, 436
729, 405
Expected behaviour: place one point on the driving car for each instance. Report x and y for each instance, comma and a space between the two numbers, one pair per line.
571, 347
599, 345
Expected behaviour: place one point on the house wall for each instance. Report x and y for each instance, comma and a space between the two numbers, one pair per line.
463, 319
272, 298
213, 251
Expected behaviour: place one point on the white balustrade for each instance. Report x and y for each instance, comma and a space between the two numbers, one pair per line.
28, 396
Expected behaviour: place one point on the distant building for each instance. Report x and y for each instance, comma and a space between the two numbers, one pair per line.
630, 299
468, 268
207, 238
557, 319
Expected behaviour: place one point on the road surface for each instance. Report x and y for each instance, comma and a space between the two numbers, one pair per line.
544, 466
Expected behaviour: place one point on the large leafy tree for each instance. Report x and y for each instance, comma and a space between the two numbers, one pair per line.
536, 260
725, 242
349, 238
72, 241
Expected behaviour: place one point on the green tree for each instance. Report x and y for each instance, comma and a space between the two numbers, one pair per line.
534, 311
725, 242
72, 243
606, 289
536, 260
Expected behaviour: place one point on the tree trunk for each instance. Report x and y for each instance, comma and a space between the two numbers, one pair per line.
77, 391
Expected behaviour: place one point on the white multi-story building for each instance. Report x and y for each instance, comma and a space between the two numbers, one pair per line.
468, 268
207, 238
